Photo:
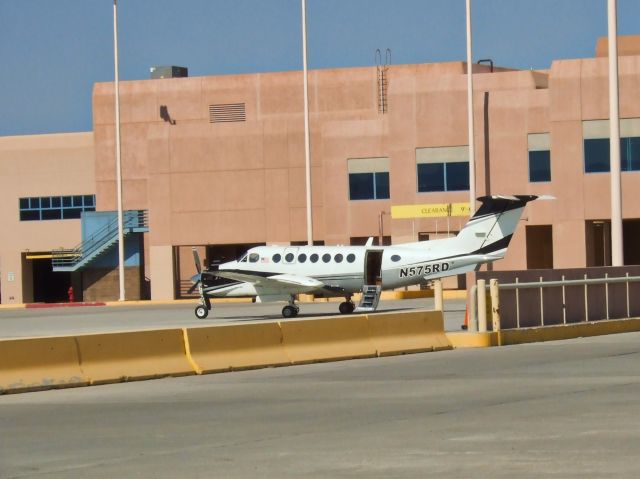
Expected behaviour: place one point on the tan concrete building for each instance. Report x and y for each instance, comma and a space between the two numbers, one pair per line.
218, 162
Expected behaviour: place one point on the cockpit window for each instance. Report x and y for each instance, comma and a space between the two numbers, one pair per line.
254, 258
243, 258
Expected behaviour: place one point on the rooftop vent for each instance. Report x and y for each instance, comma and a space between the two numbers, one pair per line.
168, 72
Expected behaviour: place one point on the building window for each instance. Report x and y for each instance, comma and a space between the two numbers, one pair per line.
368, 178
596, 145
55, 207
442, 169
539, 157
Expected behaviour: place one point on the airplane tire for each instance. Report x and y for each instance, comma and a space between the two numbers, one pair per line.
201, 311
289, 311
346, 307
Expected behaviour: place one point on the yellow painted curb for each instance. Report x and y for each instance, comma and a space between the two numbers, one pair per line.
472, 340
13, 306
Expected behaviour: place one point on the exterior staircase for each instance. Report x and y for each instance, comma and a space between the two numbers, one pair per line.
99, 243
370, 298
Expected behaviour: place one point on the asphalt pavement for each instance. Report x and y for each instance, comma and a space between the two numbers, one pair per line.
566, 409
61, 321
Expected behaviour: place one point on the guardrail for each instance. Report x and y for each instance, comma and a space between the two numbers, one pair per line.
478, 303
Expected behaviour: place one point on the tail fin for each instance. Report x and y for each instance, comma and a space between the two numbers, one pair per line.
490, 229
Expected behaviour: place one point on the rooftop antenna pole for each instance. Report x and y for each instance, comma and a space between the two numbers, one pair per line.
307, 149
614, 140
118, 159
472, 156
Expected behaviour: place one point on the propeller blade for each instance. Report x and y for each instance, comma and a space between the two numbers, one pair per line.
196, 258
193, 287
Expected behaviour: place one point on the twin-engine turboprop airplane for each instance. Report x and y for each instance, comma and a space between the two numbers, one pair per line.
278, 273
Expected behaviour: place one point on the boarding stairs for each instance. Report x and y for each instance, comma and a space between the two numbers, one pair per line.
370, 298
100, 242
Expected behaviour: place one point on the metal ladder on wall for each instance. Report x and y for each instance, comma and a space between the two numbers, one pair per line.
370, 298
383, 80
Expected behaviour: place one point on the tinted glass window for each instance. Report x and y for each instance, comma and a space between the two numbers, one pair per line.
52, 214
66, 201
457, 174
539, 166
630, 154
71, 213
361, 186
302, 257
34, 202
30, 215
55, 202
430, 177
45, 202
395, 258
24, 203
326, 257
313, 258
382, 185
351, 257
289, 257
254, 257
596, 155
276, 258
338, 258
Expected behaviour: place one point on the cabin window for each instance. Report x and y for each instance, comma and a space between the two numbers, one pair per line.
326, 257
289, 258
302, 258
338, 258
313, 258
276, 258
395, 258
351, 258
254, 258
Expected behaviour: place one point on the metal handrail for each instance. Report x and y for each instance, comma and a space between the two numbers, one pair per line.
71, 257
561, 284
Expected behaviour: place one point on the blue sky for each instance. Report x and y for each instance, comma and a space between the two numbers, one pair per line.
53, 51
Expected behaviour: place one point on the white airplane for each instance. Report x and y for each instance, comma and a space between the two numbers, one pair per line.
279, 273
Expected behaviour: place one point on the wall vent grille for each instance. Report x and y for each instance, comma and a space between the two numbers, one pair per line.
227, 112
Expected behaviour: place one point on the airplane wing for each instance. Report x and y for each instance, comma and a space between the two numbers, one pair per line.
287, 283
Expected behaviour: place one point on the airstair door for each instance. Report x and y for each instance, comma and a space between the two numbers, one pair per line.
373, 267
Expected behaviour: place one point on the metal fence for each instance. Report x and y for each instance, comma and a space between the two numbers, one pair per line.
560, 301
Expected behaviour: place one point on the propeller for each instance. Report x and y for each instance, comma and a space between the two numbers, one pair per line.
197, 278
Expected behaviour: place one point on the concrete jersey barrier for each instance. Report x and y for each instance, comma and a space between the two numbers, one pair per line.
39, 363
225, 348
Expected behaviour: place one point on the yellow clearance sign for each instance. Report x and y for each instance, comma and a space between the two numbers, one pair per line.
435, 210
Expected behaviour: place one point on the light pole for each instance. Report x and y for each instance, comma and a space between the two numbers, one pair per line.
472, 156
118, 159
307, 148
614, 140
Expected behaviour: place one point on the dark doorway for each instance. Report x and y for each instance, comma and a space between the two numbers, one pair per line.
631, 239
372, 267
49, 286
539, 247
598, 238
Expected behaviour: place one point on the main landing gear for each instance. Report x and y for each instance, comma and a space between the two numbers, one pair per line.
347, 307
290, 310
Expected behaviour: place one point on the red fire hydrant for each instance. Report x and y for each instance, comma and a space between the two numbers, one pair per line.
70, 293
